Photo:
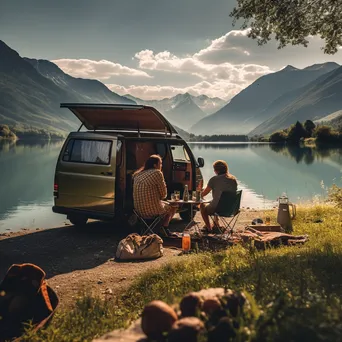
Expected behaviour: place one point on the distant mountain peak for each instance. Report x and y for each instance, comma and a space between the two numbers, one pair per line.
290, 68
330, 65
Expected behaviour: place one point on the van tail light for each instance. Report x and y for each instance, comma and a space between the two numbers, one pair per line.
55, 189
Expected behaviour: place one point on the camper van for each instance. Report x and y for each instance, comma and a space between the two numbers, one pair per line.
93, 177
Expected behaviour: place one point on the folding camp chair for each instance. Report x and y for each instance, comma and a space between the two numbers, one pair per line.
149, 224
227, 208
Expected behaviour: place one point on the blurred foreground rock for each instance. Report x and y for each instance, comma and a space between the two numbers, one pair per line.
216, 306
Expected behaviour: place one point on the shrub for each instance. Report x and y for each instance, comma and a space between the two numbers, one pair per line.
279, 136
6, 133
296, 133
335, 195
309, 127
325, 134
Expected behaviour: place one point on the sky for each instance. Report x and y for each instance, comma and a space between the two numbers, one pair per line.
149, 48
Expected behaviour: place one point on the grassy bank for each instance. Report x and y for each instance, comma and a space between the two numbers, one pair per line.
303, 285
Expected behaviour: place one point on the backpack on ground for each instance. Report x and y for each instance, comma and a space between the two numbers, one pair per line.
24, 297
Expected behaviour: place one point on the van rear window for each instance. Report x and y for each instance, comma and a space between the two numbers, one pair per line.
88, 151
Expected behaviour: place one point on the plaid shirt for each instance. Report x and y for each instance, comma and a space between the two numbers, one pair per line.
149, 189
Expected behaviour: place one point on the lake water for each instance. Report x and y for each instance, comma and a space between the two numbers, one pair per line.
264, 172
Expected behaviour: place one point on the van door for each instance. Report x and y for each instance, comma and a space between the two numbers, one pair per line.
182, 168
86, 173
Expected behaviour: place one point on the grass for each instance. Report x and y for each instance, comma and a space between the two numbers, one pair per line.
298, 289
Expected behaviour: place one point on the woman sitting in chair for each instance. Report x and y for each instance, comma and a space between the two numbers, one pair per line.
149, 190
223, 181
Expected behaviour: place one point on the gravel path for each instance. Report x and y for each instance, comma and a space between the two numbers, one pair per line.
77, 260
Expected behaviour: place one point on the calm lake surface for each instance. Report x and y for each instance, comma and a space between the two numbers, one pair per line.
264, 172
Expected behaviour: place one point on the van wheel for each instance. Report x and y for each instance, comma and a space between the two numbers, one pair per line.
78, 220
186, 215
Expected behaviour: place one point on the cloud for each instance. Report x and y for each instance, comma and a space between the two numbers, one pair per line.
221, 79
165, 61
237, 48
223, 68
101, 70
220, 89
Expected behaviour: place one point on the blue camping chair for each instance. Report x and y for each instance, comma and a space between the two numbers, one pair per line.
227, 211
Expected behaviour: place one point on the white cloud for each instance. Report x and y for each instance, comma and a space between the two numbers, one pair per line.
221, 79
237, 48
101, 70
165, 61
220, 89
226, 66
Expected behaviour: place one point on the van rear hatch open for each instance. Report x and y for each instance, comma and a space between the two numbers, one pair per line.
120, 117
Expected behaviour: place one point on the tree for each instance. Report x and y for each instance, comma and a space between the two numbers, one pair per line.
296, 133
309, 127
292, 21
278, 137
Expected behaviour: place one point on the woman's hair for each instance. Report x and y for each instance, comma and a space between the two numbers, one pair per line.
149, 163
221, 167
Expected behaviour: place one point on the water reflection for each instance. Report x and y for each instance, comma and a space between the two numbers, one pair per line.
306, 154
264, 171
27, 171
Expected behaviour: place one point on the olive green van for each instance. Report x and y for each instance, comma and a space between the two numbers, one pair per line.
93, 178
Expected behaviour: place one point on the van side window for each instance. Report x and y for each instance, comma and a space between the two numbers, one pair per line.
88, 151
179, 153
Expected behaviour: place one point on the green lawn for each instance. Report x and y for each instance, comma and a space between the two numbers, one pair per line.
298, 289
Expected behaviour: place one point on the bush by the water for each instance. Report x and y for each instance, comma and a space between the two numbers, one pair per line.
218, 137
6, 133
23, 132
298, 132
325, 134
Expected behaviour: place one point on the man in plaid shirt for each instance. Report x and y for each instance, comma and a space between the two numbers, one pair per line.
149, 190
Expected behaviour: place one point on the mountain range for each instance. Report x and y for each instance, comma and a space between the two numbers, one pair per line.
265, 99
184, 109
334, 120
32, 90
313, 101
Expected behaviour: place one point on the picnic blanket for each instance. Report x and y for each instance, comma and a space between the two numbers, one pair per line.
260, 240
263, 240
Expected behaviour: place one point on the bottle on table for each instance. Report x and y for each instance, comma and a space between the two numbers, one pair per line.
186, 193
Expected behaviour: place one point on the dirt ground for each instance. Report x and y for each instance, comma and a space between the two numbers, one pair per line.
82, 259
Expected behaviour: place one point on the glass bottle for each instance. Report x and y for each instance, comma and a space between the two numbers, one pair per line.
186, 193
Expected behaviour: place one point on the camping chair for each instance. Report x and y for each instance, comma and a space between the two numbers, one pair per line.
149, 224
228, 211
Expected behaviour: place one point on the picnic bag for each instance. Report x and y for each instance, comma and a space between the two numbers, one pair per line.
24, 297
134, 247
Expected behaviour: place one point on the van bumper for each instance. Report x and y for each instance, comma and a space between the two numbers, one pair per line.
85, 213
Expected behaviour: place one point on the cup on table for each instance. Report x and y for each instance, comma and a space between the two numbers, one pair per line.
267, 220
173, 196
194, 196
177, 195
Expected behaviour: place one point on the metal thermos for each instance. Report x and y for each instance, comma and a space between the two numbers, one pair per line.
285, 217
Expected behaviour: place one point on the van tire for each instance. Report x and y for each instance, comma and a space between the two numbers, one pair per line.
186, 215
78, 220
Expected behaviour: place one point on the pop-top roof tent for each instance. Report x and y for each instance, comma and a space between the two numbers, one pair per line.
120, 117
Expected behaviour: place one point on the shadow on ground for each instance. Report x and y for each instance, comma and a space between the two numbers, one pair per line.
65, 249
